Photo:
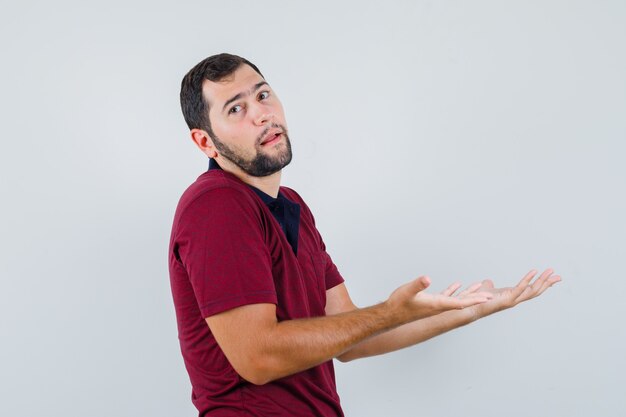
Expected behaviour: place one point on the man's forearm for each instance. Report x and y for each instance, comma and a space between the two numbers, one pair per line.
295, 345
272, 349
409, 334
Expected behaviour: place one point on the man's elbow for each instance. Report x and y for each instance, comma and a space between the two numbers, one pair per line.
344, 359
348, 356
256, 379
257, 371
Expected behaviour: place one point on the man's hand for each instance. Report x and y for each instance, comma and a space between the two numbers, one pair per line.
508, 297
423, 329
411, 302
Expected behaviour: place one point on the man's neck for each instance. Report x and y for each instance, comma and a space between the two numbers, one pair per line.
269, 184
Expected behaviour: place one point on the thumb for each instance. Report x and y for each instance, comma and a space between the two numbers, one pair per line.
419, 284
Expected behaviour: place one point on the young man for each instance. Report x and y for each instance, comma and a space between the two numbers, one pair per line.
261, 308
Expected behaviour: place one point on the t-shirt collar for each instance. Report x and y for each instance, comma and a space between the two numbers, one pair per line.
267, 199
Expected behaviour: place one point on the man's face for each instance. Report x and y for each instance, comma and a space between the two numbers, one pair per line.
248, 122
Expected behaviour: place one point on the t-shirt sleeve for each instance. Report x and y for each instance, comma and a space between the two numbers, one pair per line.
221, 244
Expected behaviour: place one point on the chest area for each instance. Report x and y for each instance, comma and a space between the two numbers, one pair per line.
299, 278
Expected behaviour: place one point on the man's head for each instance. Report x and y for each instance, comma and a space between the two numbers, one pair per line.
234, 116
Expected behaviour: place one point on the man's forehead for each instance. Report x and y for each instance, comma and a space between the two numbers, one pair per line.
242, 81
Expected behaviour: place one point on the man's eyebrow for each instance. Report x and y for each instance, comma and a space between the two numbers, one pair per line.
240, 95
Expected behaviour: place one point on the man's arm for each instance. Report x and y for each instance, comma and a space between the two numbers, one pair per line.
338, 301
261, 349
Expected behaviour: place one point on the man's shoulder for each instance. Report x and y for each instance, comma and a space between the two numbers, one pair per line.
291, 194
214, 186
213, 179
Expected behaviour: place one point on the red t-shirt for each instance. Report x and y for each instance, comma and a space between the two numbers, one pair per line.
228, 250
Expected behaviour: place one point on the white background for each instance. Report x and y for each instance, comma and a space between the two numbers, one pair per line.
462, 140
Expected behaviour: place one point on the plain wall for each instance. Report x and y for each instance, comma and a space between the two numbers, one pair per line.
462, 140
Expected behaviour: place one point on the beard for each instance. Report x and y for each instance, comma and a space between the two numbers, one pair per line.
261, 164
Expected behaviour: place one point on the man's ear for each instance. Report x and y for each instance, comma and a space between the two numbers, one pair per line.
204, 142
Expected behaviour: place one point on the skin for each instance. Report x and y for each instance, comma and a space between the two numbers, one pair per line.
260, 348
242, 123
424, 329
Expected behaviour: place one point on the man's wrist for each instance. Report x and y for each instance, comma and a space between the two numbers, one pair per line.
473, 313
395, 313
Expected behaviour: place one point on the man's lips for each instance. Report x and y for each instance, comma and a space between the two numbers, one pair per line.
271, 137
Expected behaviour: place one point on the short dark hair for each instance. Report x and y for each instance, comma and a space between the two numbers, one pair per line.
214, 68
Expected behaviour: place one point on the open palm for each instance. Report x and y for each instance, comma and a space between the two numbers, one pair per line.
508, 297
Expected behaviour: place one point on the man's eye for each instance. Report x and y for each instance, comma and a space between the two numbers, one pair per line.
235, 109
263, 95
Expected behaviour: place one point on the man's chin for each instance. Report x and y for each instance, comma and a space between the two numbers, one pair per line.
264, 168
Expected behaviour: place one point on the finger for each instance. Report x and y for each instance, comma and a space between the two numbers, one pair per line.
419, 284
523, 284
451, 289
487, 283
543, 278
526, 294
534, 290
471, 289
545, 281
549, 282
527, 278
541, 281
473, 299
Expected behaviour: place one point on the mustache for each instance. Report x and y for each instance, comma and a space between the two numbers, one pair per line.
267, 129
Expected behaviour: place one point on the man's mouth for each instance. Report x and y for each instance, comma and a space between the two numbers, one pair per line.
271, 138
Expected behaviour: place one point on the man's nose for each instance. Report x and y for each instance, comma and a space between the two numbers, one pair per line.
262, 116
